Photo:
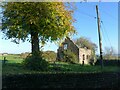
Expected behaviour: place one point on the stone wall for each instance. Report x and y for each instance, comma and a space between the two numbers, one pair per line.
84, 55
70, 46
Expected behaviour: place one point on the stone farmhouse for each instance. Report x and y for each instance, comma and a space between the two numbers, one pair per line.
84, 55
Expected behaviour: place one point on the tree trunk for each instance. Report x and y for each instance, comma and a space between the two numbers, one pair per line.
34, 42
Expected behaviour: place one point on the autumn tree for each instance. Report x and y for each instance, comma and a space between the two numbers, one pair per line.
37, 22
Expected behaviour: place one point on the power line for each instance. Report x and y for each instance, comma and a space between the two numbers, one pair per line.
89, 1
114, 18
86, 14
106, 33
91, 16
103, 35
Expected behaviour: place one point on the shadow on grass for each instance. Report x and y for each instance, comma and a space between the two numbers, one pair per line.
17, 68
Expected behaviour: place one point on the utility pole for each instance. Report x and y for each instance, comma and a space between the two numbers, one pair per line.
100, 39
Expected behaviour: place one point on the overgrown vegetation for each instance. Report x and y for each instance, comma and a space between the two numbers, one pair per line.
17, 68
49, 55
14, 66
69, 56
35, 62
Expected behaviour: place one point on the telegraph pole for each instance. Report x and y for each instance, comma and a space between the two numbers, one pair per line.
100, 39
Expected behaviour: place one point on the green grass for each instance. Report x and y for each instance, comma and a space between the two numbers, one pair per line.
14, 66
57, 71
86, 68
59, 67
13, 58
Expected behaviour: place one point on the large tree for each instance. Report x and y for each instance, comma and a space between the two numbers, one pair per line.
36, 22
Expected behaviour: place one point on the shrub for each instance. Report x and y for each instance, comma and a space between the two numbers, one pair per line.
70, 56
49, 55
35, 62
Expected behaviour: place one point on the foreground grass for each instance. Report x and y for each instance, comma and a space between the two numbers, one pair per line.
59, 74
58, 67
14, 66
85, 68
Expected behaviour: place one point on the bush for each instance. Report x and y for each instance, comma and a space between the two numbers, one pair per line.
70, 56
35, 62
49, 55
108, 62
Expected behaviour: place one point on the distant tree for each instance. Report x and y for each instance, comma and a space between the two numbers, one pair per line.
109, 53
85, 42
24, 55
118, 57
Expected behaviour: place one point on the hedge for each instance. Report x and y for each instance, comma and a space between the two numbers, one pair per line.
62, 80
109, 62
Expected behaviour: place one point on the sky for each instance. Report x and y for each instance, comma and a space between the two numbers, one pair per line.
62, 0
85, 25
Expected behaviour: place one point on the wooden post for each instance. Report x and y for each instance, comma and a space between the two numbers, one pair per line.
100, 39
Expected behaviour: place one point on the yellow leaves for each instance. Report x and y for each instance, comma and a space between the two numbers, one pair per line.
31, 22
50, 19
42, 42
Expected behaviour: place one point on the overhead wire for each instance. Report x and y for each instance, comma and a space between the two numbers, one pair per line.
84, 13
111, 16
106, 33
103, 34
103, 29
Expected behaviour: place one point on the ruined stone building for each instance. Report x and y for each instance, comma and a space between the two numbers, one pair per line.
84, 55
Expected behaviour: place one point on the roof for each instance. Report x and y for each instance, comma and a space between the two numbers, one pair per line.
74, 43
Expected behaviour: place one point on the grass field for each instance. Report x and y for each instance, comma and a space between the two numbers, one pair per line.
12, 58
14, 66
59, 75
